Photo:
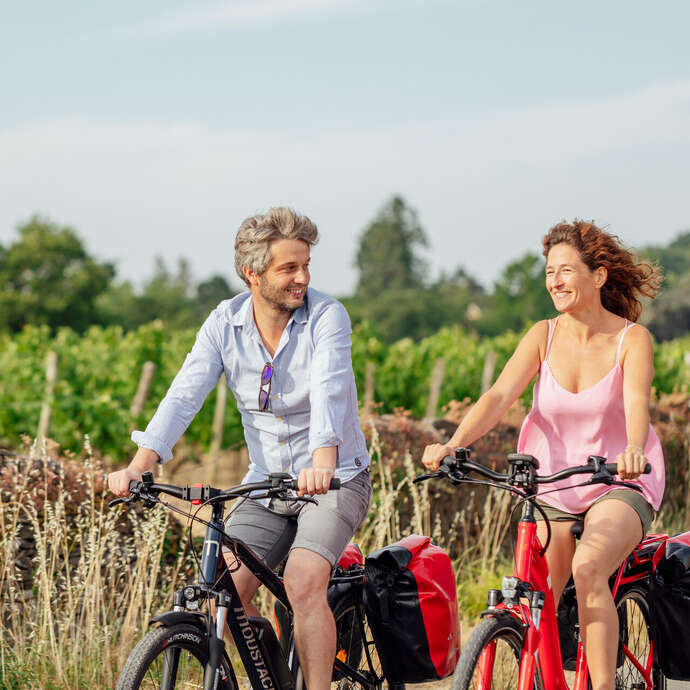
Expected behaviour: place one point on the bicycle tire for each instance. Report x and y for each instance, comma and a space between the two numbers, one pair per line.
179, 648
632, 607
508, 636
351, 649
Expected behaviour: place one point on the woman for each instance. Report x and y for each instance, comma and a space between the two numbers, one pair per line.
595, 367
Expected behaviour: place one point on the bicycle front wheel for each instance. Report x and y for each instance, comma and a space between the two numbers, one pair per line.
633, 618
173, 657
491, 658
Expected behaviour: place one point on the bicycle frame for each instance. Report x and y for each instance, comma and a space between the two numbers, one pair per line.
255, 641
267, 664
542, 643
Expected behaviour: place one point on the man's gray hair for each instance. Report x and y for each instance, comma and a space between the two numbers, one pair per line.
254, 238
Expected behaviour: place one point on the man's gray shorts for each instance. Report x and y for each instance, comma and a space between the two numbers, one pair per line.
272, 532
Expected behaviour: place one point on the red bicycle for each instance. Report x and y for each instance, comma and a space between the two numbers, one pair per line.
517, 645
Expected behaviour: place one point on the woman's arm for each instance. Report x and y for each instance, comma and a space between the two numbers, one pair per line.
638, 372
520, 369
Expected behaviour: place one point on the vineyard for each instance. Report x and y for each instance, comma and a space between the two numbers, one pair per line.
99, 372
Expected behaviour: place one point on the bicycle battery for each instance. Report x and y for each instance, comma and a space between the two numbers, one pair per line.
272, 651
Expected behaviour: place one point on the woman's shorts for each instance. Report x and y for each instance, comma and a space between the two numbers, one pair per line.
633, 498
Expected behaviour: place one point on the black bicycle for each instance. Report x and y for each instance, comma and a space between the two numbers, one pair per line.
184, 647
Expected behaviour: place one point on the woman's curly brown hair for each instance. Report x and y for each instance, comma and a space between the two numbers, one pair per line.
628, 279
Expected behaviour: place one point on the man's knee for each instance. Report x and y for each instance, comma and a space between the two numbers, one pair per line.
306, 578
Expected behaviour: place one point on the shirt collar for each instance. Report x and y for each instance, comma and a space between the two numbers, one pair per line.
244, 316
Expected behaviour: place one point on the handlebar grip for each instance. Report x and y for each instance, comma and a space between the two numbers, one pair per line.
612, 468
334, 486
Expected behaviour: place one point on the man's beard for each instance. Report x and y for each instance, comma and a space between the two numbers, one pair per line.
276, 297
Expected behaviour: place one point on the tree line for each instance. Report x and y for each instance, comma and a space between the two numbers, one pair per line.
49, 277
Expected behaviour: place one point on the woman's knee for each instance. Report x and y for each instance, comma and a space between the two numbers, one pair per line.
589, 573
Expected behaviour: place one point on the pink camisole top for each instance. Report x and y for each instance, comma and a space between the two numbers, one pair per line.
563, 428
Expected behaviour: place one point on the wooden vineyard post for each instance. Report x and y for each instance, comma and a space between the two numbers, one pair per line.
435, 388
47, 406
369, 372
143, 389
218, 420
488, 372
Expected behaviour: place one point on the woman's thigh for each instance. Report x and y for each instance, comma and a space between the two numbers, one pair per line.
559, 554
612, 530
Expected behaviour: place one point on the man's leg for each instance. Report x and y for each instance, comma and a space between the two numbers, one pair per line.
306, 581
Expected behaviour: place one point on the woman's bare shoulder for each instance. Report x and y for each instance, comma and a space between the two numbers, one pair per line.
536, 338
639, 340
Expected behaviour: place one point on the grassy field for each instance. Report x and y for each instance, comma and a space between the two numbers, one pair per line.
99, 575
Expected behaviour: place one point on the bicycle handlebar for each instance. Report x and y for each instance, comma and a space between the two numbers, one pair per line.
148, 490
523, 471
592, 467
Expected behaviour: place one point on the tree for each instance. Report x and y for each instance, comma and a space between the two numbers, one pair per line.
49, 278
519, 297
674, 259
386, 256
169, 296
210, 292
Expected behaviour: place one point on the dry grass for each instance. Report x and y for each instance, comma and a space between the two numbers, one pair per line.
96, 585
94, 589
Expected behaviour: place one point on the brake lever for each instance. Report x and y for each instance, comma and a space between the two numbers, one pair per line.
627, 485
428, 475
117, 501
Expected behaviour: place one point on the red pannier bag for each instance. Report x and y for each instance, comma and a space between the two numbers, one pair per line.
411, 602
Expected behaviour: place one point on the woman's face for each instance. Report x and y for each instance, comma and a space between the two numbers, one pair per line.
570, 281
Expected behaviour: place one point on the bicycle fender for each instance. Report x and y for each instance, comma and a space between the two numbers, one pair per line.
499, 611
170, 618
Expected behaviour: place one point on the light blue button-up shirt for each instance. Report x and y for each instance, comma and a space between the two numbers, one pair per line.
313, 402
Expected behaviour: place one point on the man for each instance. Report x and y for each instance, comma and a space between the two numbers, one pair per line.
285, 351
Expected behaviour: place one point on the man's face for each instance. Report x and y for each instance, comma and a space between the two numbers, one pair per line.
283, 284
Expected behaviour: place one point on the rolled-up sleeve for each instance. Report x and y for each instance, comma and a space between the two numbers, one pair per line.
197, 377
331, 378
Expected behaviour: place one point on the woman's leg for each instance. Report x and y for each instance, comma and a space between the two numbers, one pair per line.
612, 529
559, 555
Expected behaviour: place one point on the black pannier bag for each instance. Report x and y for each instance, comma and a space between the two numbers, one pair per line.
669, 599
411, 603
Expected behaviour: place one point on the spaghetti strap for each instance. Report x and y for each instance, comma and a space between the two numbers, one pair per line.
552, 329
626, 328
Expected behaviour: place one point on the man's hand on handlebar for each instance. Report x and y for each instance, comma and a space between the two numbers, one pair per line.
118, 482
314, 480
434, 453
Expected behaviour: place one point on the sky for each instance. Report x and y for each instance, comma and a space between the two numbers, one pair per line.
156, 127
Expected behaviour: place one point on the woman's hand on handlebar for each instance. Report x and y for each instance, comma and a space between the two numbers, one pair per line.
434, 453
631, 462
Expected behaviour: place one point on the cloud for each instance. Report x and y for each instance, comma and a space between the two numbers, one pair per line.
236, 13
485, 187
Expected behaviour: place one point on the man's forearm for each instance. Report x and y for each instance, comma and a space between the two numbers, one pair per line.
325, 458
144, 459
